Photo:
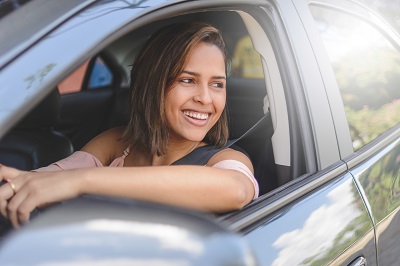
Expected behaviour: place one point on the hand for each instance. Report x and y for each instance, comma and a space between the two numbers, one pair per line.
26, 191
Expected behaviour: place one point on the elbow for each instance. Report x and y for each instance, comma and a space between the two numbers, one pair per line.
243, 199
234, 199
237, 192
240, 197
240, 192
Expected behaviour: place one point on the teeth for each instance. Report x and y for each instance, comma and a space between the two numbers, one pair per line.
196, 115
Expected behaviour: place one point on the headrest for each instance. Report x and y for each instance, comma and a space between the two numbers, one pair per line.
45, 114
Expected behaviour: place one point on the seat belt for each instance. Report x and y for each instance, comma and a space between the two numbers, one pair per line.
201, 155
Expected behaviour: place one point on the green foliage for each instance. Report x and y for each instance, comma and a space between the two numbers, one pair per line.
368, 123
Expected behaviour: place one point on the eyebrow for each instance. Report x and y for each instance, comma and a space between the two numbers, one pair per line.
197, 74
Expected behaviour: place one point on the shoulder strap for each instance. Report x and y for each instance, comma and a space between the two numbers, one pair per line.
202, 155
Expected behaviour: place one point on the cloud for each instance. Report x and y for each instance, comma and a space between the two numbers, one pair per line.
320, 228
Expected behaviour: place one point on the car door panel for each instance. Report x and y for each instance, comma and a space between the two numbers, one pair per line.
379, 179
370, 100
329, 223
329, 226
322, 218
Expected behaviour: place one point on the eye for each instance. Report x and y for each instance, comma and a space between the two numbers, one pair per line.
187, 80
219, 85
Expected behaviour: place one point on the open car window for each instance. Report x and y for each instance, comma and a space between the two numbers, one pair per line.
95, 96
253, 76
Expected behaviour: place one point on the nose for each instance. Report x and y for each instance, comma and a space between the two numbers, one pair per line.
203, 94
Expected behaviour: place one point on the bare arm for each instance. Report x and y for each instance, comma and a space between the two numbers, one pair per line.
203, 188
198, 187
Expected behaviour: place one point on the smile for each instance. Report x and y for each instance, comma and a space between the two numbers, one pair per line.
196, 115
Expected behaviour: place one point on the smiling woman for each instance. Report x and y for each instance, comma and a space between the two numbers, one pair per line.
196, 101
179, 80
188, 62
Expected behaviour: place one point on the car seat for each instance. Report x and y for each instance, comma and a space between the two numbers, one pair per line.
33, 143
245, 100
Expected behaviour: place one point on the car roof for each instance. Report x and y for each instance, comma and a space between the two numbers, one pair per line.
30, 26
27, 24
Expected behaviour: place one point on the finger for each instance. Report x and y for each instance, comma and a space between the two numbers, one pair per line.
8, 172
24, 211
7, 190
15, 179
3, 206
12, 186
22, 204
13, 206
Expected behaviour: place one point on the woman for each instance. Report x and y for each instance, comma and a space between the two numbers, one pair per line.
178, 97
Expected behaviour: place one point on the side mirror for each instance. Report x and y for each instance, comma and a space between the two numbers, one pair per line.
111, 231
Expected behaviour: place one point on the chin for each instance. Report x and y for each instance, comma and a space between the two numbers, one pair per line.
196, 138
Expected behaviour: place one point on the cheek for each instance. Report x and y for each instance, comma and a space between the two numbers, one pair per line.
170, 100
175, 96
167, 109
220, 102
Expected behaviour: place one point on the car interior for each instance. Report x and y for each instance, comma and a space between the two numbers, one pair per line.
96, 99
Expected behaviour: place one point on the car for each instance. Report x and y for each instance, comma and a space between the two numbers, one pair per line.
312, 96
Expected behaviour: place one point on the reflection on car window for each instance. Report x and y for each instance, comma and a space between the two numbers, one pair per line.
367, 70
388, 9
246, 61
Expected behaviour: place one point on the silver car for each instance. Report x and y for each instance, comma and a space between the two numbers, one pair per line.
313, 96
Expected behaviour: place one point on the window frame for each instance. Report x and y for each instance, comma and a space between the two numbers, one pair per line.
87, 73
297, 79
351, 157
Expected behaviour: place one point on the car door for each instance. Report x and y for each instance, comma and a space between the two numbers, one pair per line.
316, 215
320, 217
368, 82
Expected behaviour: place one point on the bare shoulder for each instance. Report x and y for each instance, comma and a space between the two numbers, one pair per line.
107, 145
231, 154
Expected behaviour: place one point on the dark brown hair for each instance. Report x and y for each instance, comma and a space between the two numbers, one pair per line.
154, 71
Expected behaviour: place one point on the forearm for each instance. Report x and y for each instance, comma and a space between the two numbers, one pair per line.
199, 187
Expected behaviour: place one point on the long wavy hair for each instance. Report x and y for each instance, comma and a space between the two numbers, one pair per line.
153, 73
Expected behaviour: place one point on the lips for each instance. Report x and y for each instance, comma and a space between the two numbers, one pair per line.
196, 118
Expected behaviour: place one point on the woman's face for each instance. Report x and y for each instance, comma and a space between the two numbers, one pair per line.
196, 100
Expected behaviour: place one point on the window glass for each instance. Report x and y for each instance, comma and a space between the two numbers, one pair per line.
389, 9
246, 61
367, 70
73, 83
100, 77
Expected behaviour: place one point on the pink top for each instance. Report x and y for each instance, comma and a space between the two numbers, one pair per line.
82, 159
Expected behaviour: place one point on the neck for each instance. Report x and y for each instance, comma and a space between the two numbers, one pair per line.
175, 151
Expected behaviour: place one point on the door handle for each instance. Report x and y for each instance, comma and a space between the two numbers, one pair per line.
360, 261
